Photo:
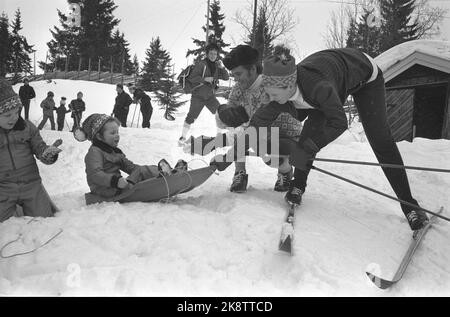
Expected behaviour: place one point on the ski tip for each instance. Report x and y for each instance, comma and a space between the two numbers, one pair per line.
379, 282
286, 245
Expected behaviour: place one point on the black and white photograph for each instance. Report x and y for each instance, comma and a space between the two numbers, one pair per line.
213, 149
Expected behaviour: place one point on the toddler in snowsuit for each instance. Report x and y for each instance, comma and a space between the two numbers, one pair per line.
105, 161
20, 142
61, 113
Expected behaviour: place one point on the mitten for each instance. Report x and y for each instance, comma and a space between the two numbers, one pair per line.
50, 154
232, 116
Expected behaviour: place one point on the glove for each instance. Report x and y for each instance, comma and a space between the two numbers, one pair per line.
232, 116
219, 162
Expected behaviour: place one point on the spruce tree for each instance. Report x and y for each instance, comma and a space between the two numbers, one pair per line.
155, 66
262, 41
121, 54
136, 67
20, 48
398, 25
93, 39
5, 47
216, 30
168, 95
364, 37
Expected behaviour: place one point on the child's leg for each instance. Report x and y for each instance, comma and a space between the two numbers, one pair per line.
35, 201
43, 122
142, 173
7, 205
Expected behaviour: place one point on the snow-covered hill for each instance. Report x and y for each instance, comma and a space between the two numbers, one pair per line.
210, 242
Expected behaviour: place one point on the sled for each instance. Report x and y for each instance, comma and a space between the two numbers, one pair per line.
158, 188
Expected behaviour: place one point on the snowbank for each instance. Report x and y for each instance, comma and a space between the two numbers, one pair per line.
210, 242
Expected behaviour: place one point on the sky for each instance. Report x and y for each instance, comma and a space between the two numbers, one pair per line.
177, 22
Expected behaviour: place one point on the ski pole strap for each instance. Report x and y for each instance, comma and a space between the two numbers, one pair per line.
380, 193
384, 165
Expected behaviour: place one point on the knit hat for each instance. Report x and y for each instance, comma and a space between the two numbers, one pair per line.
50, 94
9, 100
91, 126
241, 55
279, 69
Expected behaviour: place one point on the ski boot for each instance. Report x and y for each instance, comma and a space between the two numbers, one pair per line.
417, 219
283, 181
294, 195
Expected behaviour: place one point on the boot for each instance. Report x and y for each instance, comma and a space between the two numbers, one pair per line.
417, 219
283, 181
164, 168
239, 184
294, 194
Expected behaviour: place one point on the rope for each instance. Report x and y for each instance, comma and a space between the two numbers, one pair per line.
416, 207
430, 169
169, 197
27, 252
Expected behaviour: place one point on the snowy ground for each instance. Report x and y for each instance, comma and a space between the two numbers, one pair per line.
210, 242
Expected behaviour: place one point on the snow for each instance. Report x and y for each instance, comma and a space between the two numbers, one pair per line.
397, 53
210, 242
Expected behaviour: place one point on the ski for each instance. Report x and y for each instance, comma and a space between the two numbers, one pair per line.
287, 231
416, 240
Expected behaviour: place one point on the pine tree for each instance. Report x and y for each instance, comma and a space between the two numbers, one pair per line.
121, 54
398, 25
91, 40
155, 66
216, 30
5, 47
20, 48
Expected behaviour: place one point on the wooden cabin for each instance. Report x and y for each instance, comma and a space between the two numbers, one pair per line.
417, 77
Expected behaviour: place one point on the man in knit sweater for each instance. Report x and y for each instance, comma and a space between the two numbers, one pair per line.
246, 97
318, 87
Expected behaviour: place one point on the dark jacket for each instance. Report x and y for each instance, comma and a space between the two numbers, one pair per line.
48, 106
61, 111
326, 79
18, 147
103, 166
26, 92
77, 106
145, 100
201, 70
123, 102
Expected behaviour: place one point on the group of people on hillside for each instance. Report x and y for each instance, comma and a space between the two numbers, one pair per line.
304, 101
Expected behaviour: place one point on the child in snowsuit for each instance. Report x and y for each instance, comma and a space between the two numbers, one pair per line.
61, 113
104, 160
48, 106
77, 106
20, 142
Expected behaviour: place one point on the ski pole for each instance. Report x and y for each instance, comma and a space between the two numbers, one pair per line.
384, 165
137, 123
132, 120
379, 193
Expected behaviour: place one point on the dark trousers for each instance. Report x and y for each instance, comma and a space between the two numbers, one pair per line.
60, 122
146, 115
197, 104
44, 121
76, 116
122, 115
26, 106
371, 104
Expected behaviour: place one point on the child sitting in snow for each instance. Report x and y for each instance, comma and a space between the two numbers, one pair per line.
20, 142
105, 160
